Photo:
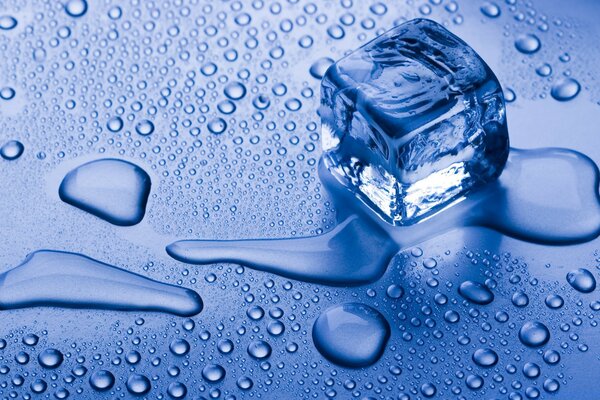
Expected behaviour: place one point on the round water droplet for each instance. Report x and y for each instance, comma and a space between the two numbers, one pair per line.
531, 370
144, 127
554, 301
582, 280
102, 380
255, 313
428, 390
352, 335
179, 347
177, 390
485, 357
30, 339
115, 124
520, 299
38, 386
551, 385
138, 384
474, 382
394, 291
235, 90
509, 95
551, 357
50, 358
213, 373
565, 89
534, 334
319, 67
336, 31
76, 8
490, 10
12, 150
528, 43
544, 70
245, 383
261, 102
259, 349
7, 93
476, 292
217, 126
225, 346
7, 22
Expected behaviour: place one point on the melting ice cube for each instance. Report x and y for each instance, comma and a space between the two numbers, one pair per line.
412, 121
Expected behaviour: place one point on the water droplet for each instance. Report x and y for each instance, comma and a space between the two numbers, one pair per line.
394, 291
225, 346
554, 301
528, 43
544, 70
177, 390
255, 313
115, 124
352, 335
474, 382
259, 349
245, 383
102, 380
551, 385
179, 347
50, 358
582, 280
144, 127
490, 10
565, 89
111, 189
336, 31
476, 292
217, 126
7, 93
138, 384
509, 95
76, 8
319, 67
12, 150
485, 357
7, 22
531, 370
520, 299
534, 334
213, 373
235, 90
428, 390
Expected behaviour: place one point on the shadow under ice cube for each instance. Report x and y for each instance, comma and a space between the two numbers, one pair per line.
412, 121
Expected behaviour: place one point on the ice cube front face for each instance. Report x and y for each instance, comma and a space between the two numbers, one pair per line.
412, 121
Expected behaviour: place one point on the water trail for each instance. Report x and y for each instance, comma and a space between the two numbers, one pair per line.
59, 279
546, 196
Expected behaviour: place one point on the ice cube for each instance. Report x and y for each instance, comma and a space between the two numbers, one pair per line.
412, 121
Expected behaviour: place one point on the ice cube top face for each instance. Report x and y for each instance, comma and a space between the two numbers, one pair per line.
412, 121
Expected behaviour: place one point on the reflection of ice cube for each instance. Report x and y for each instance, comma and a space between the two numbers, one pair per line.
412, 121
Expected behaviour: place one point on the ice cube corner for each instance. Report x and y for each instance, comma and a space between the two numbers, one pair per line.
412, 121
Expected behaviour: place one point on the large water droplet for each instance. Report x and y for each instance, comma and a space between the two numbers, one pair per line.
259, 349
138, 384
528, 43
534, 334
485, 357
565, 89
144, 127
111, 189
476, 292
7, 22
12, 150
352, 335
50, 358
213, 373
582, 280
102, 380
76, 8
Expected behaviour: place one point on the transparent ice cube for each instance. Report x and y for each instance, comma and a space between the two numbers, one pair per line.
412, 121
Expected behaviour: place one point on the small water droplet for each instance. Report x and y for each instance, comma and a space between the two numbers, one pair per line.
12, 150
76, 8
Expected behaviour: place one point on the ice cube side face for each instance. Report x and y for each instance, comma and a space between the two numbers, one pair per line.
412, 121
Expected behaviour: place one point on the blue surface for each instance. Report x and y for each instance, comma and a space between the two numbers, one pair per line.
217, 102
